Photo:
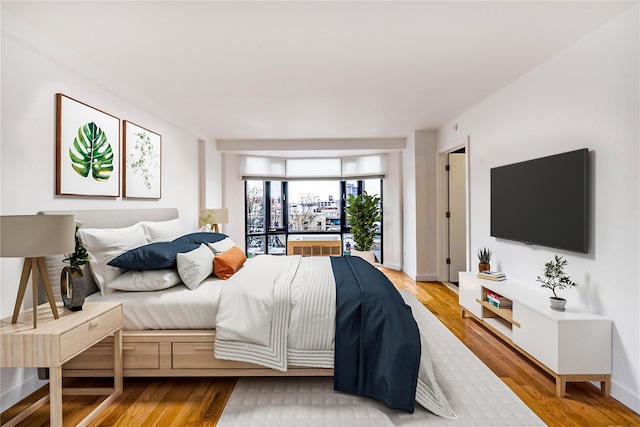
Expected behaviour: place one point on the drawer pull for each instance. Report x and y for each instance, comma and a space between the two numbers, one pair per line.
93, 323
128, 348
202, 348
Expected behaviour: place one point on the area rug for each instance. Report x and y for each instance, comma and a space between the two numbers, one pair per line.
476, 394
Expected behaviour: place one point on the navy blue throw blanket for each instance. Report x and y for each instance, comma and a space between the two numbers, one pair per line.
377, 344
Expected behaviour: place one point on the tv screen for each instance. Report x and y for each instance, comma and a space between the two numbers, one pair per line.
543, 201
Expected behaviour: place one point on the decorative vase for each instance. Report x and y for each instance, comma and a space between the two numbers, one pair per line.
72, 288
557, 303
484, 267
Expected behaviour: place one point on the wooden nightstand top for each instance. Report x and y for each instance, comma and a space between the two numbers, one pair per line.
55, 341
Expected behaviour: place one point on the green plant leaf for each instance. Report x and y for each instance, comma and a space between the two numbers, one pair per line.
91, 152
363, 212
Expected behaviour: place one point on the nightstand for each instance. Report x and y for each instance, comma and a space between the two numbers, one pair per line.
56, 341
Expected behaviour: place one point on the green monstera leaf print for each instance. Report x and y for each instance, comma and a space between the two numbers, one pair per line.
91, 152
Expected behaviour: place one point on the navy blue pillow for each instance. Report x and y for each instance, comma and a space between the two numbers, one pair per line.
153, 256
202, 237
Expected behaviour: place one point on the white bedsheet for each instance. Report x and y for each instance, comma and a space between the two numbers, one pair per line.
175, 308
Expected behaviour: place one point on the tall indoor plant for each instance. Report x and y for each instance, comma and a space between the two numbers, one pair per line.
363, 213
72, 284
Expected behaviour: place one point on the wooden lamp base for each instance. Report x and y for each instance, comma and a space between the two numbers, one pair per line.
31, 267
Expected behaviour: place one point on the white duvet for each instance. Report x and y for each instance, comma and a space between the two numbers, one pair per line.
280, 311
175, 308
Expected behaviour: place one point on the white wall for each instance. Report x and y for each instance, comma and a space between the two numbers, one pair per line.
210, 175
586, 96
34, 69
419, 206
409, 213
392, 212
233, 198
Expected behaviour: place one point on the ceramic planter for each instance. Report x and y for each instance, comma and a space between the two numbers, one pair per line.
557, 303
368, 256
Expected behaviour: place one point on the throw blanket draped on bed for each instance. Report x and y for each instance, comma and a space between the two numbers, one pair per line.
377, 350
281, 311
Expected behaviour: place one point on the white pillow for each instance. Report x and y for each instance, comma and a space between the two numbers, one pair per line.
221, 246
103, 245
147, 280
195, 266
163, 231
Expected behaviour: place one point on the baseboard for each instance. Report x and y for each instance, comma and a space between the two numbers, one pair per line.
396, 267
426, 278
625, 396
420, 277
30, 385
410, 273
451, 286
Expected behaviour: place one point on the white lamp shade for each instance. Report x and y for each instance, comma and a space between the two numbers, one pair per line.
213, 216
33, 236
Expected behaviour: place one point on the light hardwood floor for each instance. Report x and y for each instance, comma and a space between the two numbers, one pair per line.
200, 401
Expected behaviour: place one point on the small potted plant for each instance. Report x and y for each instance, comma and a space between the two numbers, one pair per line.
484, 257
555, 278
72, 285
364, 212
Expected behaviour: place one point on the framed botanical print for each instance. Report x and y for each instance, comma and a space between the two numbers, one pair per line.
87, 150
142, 162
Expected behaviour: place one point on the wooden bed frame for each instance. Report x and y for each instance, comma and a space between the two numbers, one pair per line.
170, 353
156, 353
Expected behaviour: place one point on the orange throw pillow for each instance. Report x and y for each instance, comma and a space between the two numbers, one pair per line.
228, 262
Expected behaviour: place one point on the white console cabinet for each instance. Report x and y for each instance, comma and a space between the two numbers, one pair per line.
571, 345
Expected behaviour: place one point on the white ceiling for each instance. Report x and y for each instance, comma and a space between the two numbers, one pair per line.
240, 70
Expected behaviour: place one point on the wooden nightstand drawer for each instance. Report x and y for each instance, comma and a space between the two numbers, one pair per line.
187, 355
85, 335
97, 357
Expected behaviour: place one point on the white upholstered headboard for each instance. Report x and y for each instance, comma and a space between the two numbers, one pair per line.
98, 218
116, 218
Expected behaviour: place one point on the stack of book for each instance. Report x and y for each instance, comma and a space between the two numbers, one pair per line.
498, 300
492, 275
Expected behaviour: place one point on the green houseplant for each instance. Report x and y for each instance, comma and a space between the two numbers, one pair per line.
484, 258
363, 212
555, 278
72, 284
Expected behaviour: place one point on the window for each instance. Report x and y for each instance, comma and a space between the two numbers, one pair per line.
299, 207
314, 206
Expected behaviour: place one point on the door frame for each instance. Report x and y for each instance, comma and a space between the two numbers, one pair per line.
442, 205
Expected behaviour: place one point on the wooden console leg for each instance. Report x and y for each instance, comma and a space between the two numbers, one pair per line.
561, 385
605, 385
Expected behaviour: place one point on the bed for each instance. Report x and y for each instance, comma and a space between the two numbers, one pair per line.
179, 338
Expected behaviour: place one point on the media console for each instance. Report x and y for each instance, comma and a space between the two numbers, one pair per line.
570, 345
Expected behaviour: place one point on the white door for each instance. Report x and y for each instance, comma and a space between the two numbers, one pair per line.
457, 215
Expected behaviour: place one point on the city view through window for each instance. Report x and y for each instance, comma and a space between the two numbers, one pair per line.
301, 208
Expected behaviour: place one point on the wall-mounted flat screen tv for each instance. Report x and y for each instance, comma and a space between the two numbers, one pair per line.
543, 201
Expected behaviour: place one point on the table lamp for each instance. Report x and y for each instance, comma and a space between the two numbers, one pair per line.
212, 217
34, 237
